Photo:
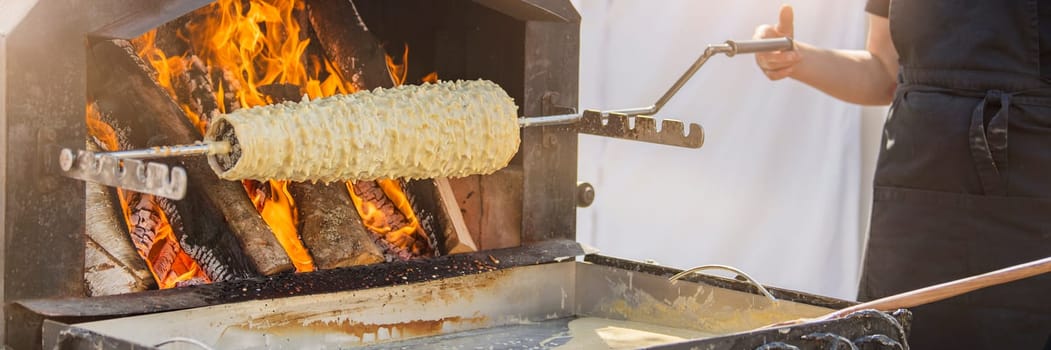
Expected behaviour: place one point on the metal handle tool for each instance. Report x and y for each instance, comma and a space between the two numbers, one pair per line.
730, 48
616, 124
126, 170
760, 45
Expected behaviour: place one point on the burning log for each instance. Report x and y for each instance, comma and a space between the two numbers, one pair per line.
331, 228
154, 237
216, 213
152, 223
193, 88
111, 264
360, 58
355, 52
328, 223
386, 210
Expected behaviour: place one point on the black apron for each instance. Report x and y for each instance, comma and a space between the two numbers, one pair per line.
963, 181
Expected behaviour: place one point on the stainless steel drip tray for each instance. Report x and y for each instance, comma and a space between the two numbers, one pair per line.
540, 306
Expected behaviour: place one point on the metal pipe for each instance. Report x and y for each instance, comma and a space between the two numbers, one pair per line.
547, 120
563, 119
708, 53
760, 45
200, 148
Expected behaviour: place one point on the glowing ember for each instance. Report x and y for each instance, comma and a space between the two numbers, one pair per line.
156, 243
385, 210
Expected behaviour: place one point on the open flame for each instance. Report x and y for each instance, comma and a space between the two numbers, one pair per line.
398, 224
150, 230
400, 229
245, 48
249, 46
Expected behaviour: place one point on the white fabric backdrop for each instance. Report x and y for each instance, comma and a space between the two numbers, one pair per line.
777, 190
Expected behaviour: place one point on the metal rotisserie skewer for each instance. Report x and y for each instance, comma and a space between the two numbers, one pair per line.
200, 148
127, 170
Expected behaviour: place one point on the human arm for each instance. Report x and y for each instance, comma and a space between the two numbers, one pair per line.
865, 77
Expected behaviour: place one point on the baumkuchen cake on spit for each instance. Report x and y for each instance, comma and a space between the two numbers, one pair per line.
448, 129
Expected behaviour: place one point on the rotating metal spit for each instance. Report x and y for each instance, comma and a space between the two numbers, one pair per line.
125, 169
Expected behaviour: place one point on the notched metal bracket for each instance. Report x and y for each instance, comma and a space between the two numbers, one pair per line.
135, 175
616, 125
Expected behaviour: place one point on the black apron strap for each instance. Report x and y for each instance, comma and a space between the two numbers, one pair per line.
987, 138
988, 143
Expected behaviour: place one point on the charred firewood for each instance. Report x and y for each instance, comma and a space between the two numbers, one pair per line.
329, 225
153, 236
215, 213
282, 92
331, 228
399, 235
111, 264
347, 42
224, 80
167, 35
194, 88
112, 232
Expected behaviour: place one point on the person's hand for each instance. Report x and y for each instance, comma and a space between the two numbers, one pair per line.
780, 64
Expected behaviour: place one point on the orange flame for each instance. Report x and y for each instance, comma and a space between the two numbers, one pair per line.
168, 263
398, 72
411, 235
101, 131
253, 44
279, 212
432, 78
